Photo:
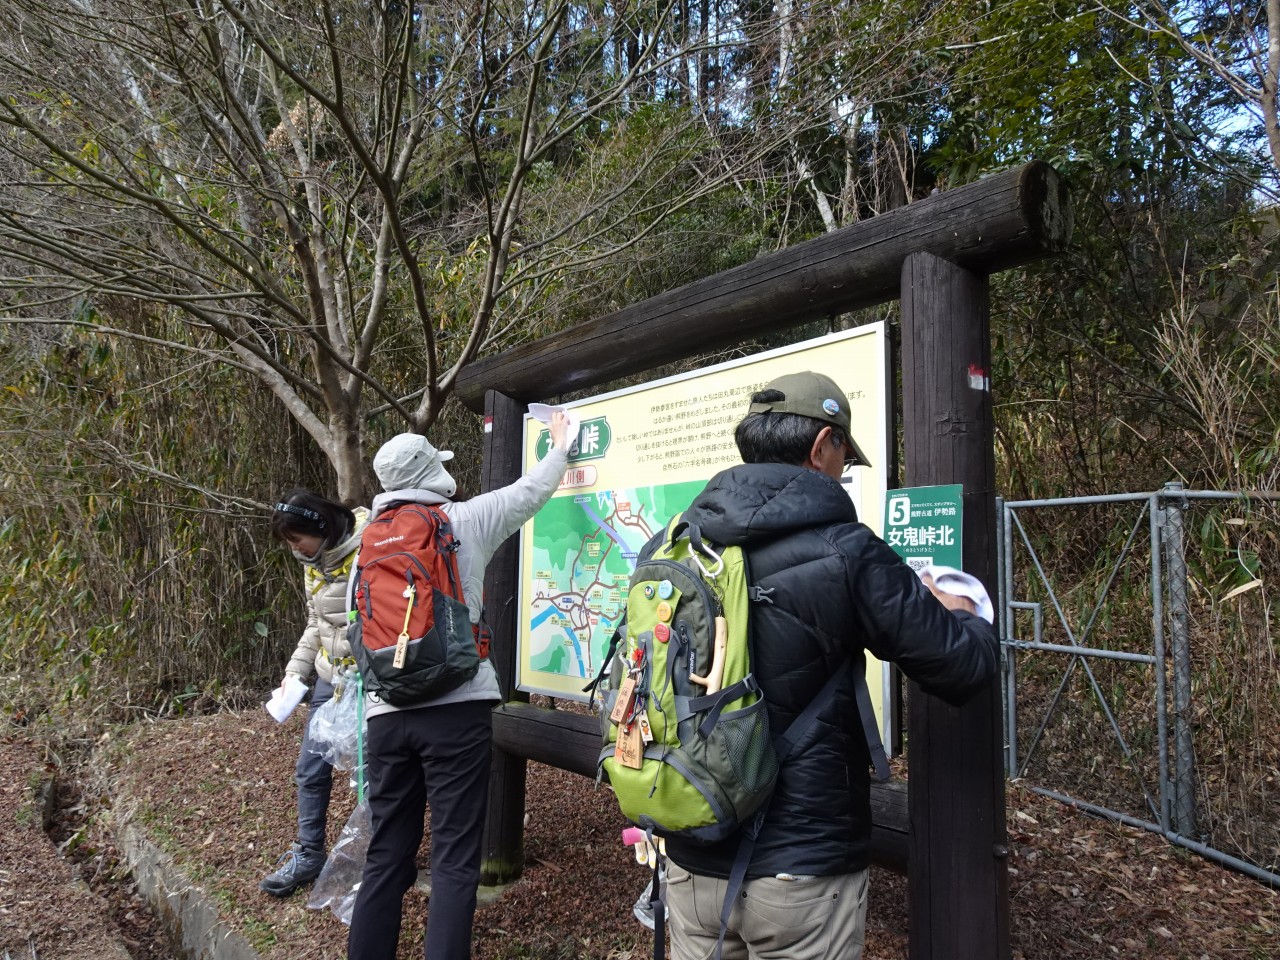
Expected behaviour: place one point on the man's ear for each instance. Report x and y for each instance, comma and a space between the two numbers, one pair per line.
816, 452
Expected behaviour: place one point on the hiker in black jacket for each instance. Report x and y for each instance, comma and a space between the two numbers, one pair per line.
836, 590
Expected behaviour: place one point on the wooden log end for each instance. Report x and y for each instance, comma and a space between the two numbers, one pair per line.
1046, 205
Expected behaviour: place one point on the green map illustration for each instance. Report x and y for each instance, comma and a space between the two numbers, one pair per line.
584, 550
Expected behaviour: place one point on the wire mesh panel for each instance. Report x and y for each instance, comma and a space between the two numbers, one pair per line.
1141, 663
1234, 659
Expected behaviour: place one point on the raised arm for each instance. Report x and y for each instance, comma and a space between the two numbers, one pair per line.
499, 513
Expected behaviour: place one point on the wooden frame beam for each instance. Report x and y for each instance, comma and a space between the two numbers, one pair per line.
959, 848
503, 857
998, 222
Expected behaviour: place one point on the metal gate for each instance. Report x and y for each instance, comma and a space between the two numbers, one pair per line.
1120, 669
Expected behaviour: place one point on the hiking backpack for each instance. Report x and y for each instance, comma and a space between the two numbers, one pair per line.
687, 745
410, 630
686, 733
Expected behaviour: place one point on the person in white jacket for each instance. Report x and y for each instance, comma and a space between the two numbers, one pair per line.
438, 752
323, 536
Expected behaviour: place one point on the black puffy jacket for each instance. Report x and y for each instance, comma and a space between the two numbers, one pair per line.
837, 590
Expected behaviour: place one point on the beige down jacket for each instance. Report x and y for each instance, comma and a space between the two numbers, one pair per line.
324, 643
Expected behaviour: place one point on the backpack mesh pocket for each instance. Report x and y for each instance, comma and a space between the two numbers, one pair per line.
737, 759
748, 747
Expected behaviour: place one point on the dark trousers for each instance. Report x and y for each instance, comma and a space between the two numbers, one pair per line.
314, 778
438, 756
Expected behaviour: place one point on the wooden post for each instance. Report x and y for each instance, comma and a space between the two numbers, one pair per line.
504, 826
957, 871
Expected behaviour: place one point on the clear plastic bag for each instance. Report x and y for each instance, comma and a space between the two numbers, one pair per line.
339, 880
334, 729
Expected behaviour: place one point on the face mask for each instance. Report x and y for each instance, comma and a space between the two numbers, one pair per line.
303, 558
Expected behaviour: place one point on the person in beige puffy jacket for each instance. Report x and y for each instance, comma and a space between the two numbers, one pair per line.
324, 536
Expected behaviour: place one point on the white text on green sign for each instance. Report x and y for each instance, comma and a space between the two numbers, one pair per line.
594, 437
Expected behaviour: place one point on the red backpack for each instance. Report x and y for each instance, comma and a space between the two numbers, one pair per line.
410, 630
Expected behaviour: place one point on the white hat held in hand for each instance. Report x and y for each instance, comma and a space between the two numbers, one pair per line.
409, 462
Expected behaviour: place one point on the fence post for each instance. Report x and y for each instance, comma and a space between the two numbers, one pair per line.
1004, 625
1175, 566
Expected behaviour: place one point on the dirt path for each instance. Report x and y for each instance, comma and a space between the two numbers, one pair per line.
215, 792
46, 910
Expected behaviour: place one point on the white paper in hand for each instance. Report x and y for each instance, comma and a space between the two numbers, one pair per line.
542, 413
285, 698
960, 584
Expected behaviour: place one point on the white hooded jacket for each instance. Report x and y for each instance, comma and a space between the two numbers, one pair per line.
480, 525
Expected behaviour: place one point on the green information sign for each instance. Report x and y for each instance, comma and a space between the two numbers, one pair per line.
592, 443
923, 525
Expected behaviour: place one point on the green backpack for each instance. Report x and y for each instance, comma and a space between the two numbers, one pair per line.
687, 748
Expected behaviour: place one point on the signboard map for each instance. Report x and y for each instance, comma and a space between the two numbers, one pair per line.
640, 457
585, 548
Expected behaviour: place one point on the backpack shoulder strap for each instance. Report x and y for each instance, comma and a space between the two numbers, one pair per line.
676, 528
659, 540
870, 729
681, 528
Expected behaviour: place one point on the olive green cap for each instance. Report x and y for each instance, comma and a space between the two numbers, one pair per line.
816, 396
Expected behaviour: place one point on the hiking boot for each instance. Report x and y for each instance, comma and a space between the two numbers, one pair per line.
299, 866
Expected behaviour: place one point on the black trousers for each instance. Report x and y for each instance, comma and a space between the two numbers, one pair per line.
438, 756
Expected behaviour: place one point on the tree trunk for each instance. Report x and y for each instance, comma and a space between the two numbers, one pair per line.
1270, 84
345, 456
